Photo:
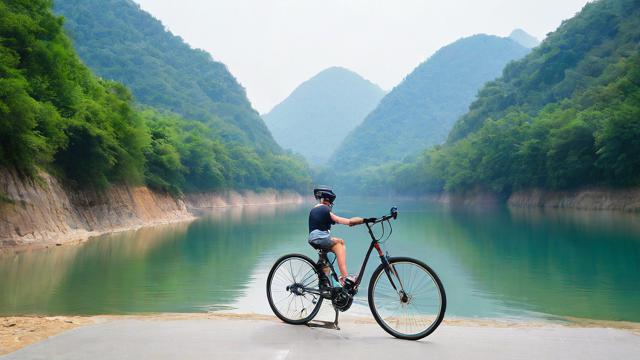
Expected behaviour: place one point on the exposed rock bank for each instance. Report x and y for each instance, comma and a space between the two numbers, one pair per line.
585, 199
43, 212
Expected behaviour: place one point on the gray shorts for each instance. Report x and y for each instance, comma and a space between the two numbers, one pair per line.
319, 239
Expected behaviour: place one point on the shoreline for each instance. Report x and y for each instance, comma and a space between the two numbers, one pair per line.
44, 213
17, 332
585, 199
82, 237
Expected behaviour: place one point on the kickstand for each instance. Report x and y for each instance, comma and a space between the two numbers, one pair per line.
325, 324
335, 321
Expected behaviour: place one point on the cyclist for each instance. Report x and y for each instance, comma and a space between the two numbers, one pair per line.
320, 220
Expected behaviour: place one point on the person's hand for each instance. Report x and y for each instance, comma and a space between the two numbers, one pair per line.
355, 221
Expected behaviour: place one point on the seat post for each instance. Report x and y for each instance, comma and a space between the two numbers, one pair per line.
323, 254
323, 261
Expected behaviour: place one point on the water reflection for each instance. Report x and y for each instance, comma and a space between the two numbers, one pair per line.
493, 262
88, 278
582, 264
602, 221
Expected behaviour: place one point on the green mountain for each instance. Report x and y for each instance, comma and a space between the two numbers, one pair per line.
120, 41
420, 111
565, 116
53, 112
523, 38
57, 116
320, 112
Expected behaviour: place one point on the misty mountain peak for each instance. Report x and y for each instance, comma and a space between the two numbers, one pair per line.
420, 111
523, 38
321, 111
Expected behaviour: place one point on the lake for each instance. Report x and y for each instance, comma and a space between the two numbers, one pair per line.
497, 263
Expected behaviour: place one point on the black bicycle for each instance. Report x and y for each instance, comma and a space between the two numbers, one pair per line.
406, 297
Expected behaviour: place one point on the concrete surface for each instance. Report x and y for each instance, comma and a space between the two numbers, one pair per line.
268, 339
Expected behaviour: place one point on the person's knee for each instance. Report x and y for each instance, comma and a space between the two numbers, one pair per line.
338, 245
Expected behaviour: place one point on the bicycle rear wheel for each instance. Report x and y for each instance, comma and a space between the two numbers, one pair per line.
293, 289
416, 307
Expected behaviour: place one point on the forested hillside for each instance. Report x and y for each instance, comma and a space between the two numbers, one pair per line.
320, 112
56, 115
566, 116
120, 41
421, 110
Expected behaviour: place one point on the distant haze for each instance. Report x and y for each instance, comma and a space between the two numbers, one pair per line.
273, 46
420, 111
524, 39
320, 112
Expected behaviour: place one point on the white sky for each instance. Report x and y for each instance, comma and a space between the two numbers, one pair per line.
271, 46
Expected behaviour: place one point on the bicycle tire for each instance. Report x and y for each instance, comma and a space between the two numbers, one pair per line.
380, 273
270, 290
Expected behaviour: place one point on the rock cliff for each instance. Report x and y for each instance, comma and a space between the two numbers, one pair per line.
43, 212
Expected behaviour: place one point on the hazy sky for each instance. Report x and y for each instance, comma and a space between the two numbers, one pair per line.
271, 46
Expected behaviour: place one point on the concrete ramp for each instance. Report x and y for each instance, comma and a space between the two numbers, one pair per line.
268, 339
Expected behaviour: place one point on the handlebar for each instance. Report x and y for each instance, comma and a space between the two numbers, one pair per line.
393, 214
377, 220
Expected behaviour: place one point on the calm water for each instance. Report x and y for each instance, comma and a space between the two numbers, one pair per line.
493, 263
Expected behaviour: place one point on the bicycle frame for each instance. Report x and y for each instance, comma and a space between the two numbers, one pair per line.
321, 273
383, 259
376, 245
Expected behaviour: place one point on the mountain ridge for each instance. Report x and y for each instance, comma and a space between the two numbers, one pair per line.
120, 41
523, 38
419, 111
565, 117
335, 100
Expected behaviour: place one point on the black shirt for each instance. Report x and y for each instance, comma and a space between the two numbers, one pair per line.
320, 218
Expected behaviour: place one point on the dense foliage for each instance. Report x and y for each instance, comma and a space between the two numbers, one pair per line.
566, 116
121, 42
53, 111
183, 156
320, 112
55, 114
421, 110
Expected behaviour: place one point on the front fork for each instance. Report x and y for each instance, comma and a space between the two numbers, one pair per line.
390, 269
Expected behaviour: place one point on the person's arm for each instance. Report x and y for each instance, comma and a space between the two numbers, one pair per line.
344, 221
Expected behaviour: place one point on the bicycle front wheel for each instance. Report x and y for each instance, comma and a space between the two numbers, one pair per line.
415, 307
293, 289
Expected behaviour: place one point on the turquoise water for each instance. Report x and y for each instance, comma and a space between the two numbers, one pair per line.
493, 262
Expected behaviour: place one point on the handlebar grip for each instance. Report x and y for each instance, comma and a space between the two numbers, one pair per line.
370, 220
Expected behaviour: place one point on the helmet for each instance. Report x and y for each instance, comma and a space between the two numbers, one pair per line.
324, 192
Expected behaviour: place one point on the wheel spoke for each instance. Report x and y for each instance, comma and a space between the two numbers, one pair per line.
310, 278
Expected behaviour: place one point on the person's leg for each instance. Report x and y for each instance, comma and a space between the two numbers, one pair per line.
340, 250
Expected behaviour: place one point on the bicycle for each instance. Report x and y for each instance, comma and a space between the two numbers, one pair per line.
405, 295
